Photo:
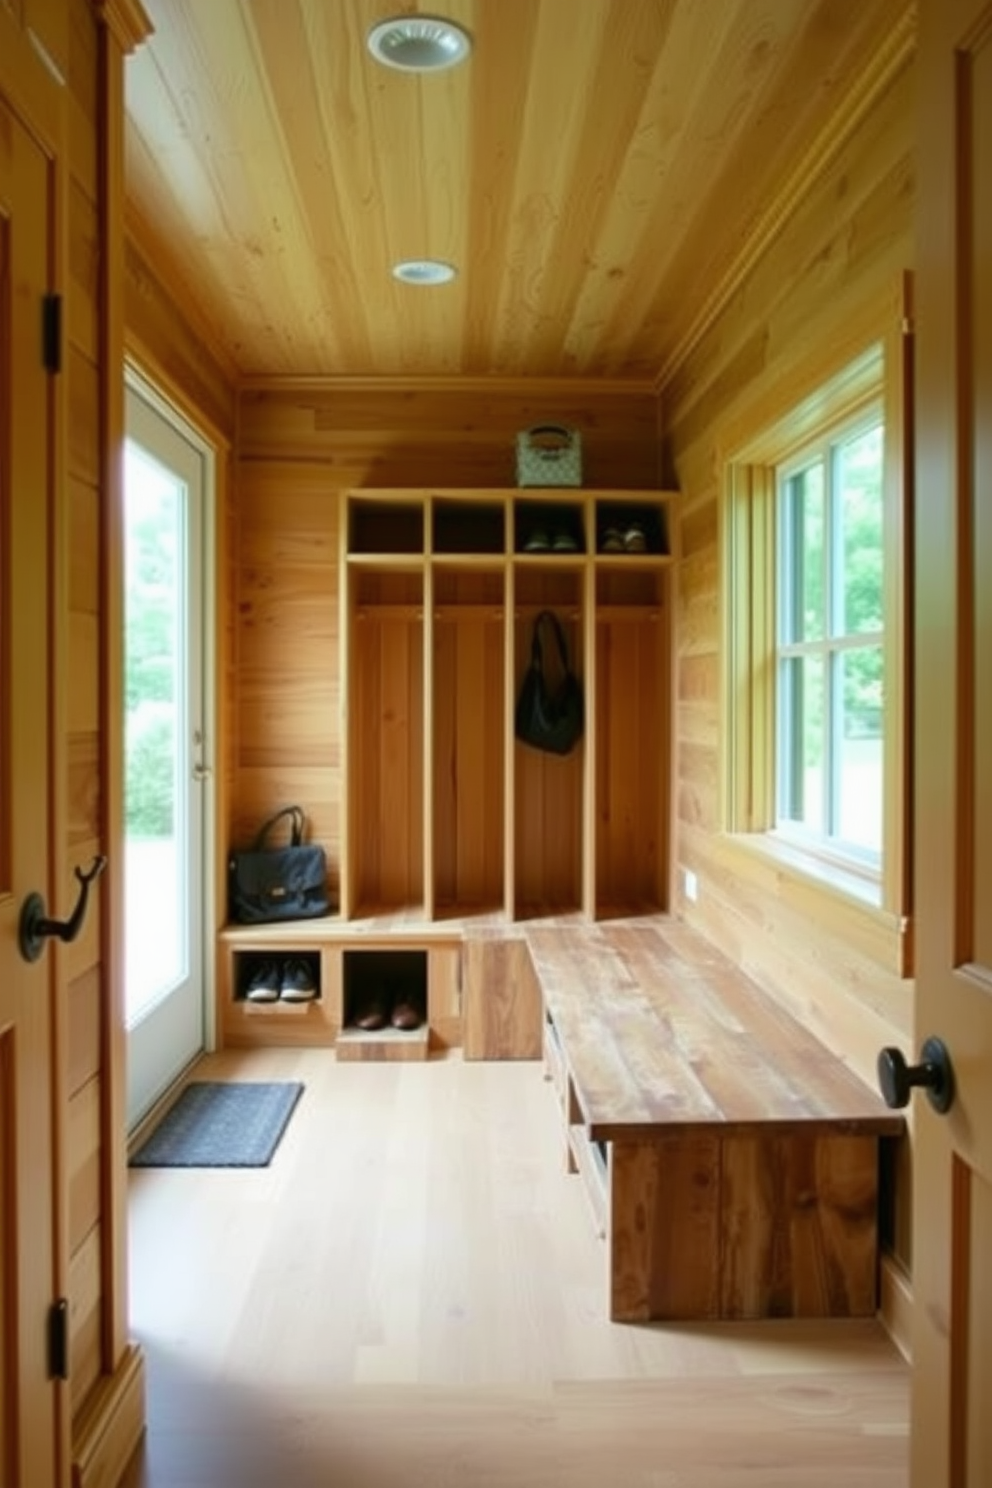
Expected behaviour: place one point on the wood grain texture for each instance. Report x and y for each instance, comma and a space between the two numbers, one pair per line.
633, 731
84, 1162
665, 1229
469, 736
85, 1025
170, 342
469, 1342
444, 997
85, 1315
110, 1428
282, 688
355, 1047
752, 1226
547, 791
798, 1218
738, 1159
662, 1030
828, 284
271, 163
245, 1025
452, 434
502, 1001
89, 1270
387, 717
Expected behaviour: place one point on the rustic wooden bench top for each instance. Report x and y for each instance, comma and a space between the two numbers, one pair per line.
661, 1030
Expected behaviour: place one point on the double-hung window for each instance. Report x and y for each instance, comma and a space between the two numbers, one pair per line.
829, 651
818, 655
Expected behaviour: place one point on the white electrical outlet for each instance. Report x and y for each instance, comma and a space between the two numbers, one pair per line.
690, 884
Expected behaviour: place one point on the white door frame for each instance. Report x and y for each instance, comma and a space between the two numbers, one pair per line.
140, 385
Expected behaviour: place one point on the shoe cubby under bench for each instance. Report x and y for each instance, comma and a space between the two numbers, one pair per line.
732, 1161
377, 992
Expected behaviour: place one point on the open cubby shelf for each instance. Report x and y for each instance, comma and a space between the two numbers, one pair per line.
248, 963
445, 810
348, 961
387, 976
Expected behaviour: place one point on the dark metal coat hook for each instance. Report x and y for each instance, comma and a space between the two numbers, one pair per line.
35, 926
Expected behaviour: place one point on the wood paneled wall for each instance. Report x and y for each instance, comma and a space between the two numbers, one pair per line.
172, 348
300, 446
105, 1373
835, 260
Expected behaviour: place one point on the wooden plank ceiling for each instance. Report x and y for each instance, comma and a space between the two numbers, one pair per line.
599, 171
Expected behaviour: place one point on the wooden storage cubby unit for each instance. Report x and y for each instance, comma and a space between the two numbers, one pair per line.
446, 813
347, 958
242, 949
392, 974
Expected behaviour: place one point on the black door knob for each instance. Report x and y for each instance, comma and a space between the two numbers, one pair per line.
934, 1073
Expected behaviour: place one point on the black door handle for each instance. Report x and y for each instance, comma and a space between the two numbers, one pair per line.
934, 1073
35, 926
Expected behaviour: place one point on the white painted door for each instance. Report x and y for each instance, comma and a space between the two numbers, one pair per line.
166, 494
952, 1181
28, 1400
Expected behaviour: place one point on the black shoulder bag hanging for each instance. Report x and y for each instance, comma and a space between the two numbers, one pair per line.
549, 714
278, 883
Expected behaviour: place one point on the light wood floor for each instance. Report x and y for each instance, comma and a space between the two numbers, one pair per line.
412, 1294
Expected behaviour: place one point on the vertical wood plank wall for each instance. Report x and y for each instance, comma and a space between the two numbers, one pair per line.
299, 447
848, 240
173, 350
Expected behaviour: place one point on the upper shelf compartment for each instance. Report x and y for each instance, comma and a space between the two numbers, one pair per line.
549, 529
388, 526
529, 526
461, 527
630, 528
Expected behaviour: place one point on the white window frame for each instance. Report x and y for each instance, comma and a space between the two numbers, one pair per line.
867, 905
833, 643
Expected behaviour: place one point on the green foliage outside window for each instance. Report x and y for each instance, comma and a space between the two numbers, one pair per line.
831, 678
150, 651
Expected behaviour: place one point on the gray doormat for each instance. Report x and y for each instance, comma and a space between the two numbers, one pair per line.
219, 1124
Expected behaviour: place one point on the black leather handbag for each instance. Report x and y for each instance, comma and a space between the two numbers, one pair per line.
550, 709
278, 883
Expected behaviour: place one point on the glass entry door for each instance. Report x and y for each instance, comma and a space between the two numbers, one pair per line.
165, 498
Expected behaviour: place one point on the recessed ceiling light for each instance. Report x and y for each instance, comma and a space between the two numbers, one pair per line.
417, 43
424, 271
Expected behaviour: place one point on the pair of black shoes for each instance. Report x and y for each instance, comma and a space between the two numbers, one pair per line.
282, 981
379, 1006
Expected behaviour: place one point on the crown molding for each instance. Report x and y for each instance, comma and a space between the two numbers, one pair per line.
881, 69
127, 19
551, 386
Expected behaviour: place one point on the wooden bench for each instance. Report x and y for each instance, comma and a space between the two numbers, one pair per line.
732, 1159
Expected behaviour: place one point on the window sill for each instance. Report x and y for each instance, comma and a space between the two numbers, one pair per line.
841, 901
831, 872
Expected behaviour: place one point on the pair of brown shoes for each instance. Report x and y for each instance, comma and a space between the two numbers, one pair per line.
378, 1008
